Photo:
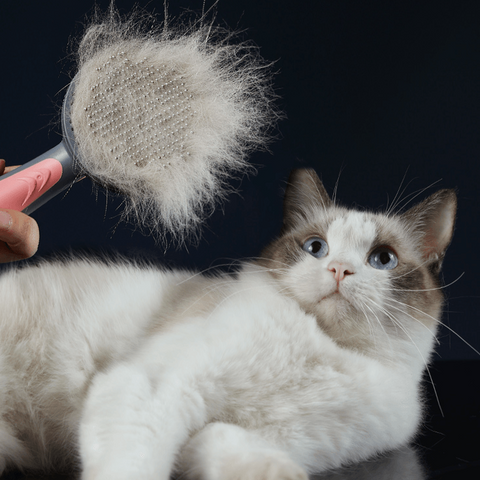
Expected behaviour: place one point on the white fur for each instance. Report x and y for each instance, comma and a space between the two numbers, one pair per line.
220, 378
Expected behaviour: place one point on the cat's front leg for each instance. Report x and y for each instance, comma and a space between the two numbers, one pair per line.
132, 427
223, 451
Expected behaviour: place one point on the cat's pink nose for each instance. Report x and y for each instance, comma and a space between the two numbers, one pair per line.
340, 270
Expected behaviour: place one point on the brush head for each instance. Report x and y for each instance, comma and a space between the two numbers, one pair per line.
164, 117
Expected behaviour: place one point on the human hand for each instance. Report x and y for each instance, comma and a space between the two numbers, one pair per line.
19, 233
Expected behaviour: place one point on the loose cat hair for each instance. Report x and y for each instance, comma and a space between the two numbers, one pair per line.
219, 107
307, 358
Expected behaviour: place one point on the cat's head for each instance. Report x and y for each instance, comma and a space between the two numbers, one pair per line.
365, 276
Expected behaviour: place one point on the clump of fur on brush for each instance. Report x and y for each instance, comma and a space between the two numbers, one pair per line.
230, 106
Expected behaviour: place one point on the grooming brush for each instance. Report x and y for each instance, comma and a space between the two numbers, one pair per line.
160, 117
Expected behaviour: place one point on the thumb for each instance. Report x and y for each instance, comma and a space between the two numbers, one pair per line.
19, 236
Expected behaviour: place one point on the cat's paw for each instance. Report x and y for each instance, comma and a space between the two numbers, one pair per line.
267, 468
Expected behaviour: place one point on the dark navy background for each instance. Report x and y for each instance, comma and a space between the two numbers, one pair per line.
375, 90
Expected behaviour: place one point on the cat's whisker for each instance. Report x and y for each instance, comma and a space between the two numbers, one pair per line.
439, 322
238, 264
270, 260
441, 287
335, 189
424, 360
372, 330
416, 194
276, 270
419, 266
231, 263
378, 320
398, 195
390, 315
398, 324
219, 284
404, 312
317, 191
219, 287
379, 282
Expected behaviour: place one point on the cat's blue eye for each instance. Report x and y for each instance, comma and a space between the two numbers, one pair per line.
383, 258
316, 246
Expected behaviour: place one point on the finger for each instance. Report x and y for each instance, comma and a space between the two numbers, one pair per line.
5, 169
19, 236
9, 169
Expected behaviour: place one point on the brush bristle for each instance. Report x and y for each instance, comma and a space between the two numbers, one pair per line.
164, 117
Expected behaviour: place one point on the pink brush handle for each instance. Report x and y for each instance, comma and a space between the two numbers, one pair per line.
28, 187
23, 188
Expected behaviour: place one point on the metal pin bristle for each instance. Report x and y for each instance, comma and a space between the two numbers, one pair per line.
126, 102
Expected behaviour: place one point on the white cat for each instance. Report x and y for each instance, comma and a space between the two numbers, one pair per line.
307, 359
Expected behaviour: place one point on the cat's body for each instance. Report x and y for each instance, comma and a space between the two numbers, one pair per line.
301, 361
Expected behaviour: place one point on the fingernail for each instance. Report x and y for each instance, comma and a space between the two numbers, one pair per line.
5, 220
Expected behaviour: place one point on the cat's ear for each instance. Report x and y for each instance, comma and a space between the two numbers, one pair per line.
304, 192
434, 220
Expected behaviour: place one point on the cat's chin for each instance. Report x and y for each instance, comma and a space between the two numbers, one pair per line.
334, 306
333, 298
331, 302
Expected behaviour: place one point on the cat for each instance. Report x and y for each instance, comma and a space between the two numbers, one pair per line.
307, 358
